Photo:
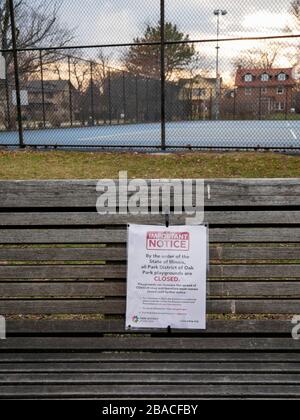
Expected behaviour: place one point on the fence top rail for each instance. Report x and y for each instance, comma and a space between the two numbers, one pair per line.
153, 43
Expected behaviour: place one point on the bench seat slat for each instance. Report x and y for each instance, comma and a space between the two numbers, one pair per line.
219, 252
148, 378
131, 367
233, 217
148, 357
76, 289
104, 271
117, 307
132, 391
82, 193
155, 343
111, 236
92, 327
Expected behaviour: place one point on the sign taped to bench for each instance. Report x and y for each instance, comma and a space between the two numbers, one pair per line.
166, 277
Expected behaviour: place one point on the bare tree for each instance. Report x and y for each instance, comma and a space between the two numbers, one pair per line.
295, 14
37, 25
262, 58
104, 64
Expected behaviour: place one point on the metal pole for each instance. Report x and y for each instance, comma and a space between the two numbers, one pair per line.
286, 102
217, 68
234, 103
260, 104
162, 74
16, 68
136, 100
70, 92
7, 90
211, 104
147, 99
92, 94
7, 100
109, 98
43, 89
124, 97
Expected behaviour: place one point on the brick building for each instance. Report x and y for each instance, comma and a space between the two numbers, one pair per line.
264, 91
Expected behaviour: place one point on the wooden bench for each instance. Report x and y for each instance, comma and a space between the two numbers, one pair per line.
62, 282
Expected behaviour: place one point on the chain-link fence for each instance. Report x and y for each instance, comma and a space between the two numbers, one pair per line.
171, 75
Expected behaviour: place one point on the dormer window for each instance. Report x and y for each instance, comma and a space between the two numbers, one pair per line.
248, 77
264, 77
282, 77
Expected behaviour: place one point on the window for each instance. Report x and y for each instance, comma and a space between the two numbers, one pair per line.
199, 92
280, 90
264, 77
281, 76
248, 91
248, 77
279, 106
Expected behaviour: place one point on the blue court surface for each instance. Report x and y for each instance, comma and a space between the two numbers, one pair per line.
210, 134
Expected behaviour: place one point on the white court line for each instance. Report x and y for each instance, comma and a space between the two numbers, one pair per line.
293, 134
108, 136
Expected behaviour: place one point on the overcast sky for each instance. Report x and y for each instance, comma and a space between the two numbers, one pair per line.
113, 21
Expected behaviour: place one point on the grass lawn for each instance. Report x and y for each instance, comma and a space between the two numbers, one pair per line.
78, 165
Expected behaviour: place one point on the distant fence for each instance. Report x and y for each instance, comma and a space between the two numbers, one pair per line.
70, 91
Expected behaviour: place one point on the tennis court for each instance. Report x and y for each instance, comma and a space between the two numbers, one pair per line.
200, 134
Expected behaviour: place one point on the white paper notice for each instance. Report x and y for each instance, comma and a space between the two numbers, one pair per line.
166, 278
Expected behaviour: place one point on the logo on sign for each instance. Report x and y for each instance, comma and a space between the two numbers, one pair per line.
168, 241
136, 319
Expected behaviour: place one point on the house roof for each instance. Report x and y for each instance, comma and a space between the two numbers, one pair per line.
49, 85
257, 82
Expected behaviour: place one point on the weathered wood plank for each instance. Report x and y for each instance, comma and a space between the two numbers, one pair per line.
271, 326
117, 307
87, 289
144, 343
237, 217
102, 271
99, 253
63, 272
138, 367
63, 254
148, 358
109, 236
253, 252
91, 378
266, 192
146, 391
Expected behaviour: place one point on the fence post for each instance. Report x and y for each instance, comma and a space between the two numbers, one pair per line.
92, 94
147, 99
7, 91
16, 68
43, 89
124, 97
211, 103
162, 74
234, 103
260, 104
286, 102
7, 100
109, 98
70, 92
136, 100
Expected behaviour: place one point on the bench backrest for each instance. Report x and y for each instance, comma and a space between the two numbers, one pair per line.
58, 256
